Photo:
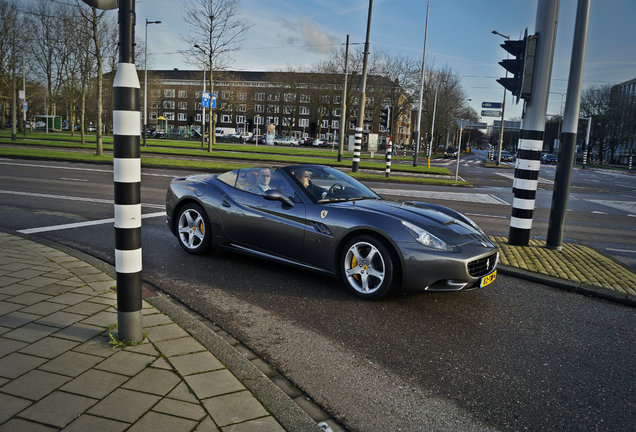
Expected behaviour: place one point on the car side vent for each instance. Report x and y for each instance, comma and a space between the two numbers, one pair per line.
322, 228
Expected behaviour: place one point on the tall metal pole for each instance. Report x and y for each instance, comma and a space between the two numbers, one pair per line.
24, 111
359, 126
503, 107
565, 164
416, 145
127, 179
14, 99
430, 146
531, 138
343, 110
146, 79
203, 115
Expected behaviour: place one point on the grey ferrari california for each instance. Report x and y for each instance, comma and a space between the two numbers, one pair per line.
319, 218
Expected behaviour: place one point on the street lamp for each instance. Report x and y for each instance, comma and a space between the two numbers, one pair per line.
202, 107
430, 147
146, 79
503, 106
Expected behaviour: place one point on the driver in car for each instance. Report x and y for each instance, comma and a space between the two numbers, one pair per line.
315, 191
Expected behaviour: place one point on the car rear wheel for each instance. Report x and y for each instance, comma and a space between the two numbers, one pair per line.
367, 267
193, 229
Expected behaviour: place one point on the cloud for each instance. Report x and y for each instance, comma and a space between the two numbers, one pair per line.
317, 40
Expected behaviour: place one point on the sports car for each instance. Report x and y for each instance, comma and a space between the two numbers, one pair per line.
322, 219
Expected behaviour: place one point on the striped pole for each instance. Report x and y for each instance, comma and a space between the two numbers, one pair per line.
127, 179
357, 147
531, 138
389, 153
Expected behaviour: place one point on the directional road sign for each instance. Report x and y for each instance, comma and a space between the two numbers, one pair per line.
491, 105
490, 113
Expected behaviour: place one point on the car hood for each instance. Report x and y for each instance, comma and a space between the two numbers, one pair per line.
451, 229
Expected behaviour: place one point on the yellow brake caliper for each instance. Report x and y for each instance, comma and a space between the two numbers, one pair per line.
354, 263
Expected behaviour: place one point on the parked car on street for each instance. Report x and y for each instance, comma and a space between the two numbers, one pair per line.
549, 158
285, 140
321, 219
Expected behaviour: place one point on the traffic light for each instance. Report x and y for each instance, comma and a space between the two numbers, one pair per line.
385, 117
521, 66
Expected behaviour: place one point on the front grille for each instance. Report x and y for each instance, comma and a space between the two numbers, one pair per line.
482, 266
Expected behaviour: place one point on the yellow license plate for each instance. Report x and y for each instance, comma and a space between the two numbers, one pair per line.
486, 280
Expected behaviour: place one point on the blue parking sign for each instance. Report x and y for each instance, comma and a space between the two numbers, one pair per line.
205, 99
214, 101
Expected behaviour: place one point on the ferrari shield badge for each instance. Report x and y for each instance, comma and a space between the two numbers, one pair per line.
323, 214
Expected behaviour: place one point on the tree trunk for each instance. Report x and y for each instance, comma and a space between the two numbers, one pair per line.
100, 83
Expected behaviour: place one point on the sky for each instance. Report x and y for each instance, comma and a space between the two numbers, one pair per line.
292, 33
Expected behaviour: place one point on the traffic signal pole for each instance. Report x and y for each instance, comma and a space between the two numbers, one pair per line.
531, 140
565, 164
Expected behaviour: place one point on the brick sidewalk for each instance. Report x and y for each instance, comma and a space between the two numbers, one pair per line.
58, 371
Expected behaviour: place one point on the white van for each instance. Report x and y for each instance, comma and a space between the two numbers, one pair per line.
224, 131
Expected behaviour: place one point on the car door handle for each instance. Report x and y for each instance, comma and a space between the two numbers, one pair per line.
225, 204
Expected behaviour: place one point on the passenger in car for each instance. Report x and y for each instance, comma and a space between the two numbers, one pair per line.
264, 177
304, 177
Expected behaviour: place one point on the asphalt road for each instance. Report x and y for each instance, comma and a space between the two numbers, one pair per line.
516, 355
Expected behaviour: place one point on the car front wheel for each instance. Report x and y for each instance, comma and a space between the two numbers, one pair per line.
193, 229
367, 268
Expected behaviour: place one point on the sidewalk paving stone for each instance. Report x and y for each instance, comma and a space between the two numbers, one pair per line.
16, 288
265, 424
214, 383
124, 405
60, 319
35, 384
98, 346
29, 298
11, 405
70, 298
178, 408
165, 332
71, 363
86, 308
49, 347
43, 308
79, 332
7, 346
16, 364
21, 425
183, 393
87, 422
58, 408
30, 332
95, 383
155, 381
126, 363
234, 408
17, 319
189, 364
102, 319
158, 422
180, 346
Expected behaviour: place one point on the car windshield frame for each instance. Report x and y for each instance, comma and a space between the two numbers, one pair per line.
326, 177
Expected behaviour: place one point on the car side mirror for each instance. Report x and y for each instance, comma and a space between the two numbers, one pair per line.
275, 195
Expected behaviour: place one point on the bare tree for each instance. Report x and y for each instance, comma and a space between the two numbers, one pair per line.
216, 29
8, 52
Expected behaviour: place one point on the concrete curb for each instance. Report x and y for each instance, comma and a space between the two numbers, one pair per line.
581, 288
286, 411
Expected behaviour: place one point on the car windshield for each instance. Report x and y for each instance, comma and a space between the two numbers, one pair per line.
325, 184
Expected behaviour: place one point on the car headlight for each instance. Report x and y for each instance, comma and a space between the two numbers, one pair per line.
424, 237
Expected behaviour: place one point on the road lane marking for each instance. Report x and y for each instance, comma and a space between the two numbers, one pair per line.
71, 198
451, 196
621, 250
73, 179
9, 162
511, 176
82, 224
628, 206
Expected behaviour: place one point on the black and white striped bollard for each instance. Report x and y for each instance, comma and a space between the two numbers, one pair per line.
357, 147
127, 179
389, 153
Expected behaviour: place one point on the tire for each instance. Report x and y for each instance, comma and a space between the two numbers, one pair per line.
193, 229
367, 268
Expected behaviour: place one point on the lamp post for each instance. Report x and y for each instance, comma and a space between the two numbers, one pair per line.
416, 147
146, 79
503, 106
202, 107
430, 147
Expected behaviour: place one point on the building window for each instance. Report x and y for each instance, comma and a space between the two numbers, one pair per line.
168, 104
240, 119
259, 96
242, 96
303, 110
273, 97
154, 105
183, 105
335, 124
288, 109
289, 97
274, 109
182, 117
226, 94
258, 120
336, 112
155, 93
337, 99
240, 108
272, 120
199, 106
259, 108
183, 94
197, 118
303, 122
169, 93
169, 115
153, 116
305, 98
226, 118
324, 123
325, 99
